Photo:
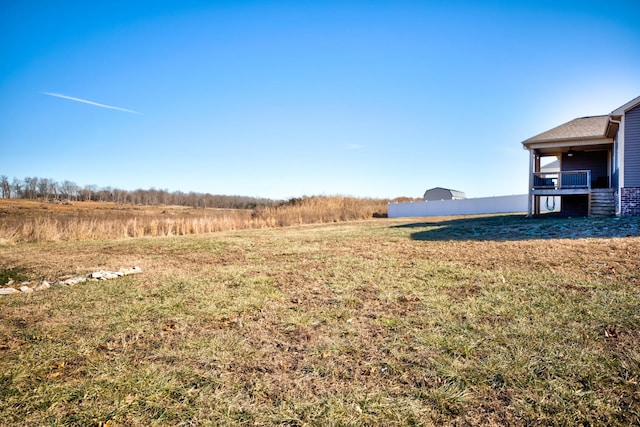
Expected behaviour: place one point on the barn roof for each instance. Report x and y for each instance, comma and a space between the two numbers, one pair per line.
454, 193
549, 167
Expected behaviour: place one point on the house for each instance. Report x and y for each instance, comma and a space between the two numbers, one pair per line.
439, 193
554, 166
599, 164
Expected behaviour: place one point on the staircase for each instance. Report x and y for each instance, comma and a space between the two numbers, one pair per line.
603, 203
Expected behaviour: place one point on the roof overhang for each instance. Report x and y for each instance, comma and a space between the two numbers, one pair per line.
558, 147
566, 143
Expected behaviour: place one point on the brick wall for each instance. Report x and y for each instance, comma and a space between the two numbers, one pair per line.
630, 201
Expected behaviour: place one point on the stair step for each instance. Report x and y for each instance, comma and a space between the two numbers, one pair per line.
602, 202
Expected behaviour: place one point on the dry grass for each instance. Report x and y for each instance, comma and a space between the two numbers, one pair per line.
36, 221
363, 323
319, 210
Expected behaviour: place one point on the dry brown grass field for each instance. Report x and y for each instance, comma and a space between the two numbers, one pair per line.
498, 320
35, 221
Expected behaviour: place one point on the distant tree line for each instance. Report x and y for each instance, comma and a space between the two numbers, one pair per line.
49, 189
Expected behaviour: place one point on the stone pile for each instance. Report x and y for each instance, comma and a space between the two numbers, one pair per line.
27, 287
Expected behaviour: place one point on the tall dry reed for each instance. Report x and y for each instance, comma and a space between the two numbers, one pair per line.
43, 224
311, 210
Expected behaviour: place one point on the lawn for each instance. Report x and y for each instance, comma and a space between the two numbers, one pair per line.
497, 320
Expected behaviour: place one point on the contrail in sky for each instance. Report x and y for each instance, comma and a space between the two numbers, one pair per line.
59, 95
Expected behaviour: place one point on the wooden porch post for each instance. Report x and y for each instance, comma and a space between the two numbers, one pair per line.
531, 166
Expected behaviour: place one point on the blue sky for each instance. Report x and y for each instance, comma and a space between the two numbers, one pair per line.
282, 99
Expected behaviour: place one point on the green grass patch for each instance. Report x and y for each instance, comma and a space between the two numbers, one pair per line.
347, 324
16, 274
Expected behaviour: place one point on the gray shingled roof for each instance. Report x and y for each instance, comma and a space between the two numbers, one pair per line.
581, 128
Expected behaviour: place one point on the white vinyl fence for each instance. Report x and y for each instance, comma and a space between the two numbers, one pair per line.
481, 205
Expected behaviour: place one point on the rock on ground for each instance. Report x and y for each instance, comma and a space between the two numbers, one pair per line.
94, 277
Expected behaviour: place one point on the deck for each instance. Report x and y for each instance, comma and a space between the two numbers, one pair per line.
561, 183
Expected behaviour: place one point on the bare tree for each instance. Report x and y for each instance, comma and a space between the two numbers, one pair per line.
69, 190
54, 189
5, 186
43, 187
87, 192
30, 187
103, 194
119, 196
17, 187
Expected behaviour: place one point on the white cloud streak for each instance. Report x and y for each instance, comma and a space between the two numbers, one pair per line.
111, 107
